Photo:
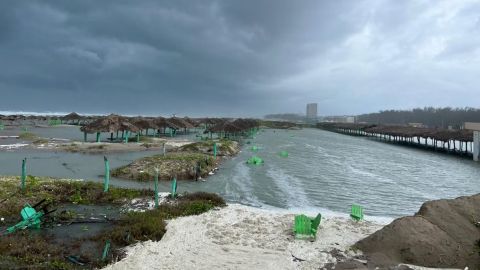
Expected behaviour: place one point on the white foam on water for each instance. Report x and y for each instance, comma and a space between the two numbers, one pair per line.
12, 146
243, 180
290, 187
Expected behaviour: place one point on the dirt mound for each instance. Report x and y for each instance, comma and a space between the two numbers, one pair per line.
443, 233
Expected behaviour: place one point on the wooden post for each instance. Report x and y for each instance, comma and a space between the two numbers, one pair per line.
98, 137
156, 187
24, 173
106, 179
215, 150
174, 187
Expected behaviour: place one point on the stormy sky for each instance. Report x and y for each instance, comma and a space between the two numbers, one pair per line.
238, 57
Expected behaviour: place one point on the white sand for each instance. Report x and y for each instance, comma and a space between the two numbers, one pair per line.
242, 237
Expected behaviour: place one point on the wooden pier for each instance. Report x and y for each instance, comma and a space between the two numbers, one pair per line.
459, 142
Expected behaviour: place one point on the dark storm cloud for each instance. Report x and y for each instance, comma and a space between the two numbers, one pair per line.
237, 57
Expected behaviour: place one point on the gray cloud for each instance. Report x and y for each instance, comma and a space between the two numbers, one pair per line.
244, 58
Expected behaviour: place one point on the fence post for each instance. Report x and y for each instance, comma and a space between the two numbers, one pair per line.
106, 178
24, 173
215, 150
156, 187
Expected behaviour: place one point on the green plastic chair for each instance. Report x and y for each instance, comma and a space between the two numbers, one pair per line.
255, 160
357, 212
30, 219
306, 227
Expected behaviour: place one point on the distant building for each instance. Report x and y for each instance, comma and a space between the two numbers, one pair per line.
312, 112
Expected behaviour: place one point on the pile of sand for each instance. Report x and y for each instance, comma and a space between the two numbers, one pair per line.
444, 233
242, 237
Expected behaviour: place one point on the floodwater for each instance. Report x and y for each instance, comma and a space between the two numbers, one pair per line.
324, 172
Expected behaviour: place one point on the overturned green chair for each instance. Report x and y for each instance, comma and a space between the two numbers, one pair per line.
306, 227
357, 212
255, 160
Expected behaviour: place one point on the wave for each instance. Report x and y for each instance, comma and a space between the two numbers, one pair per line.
290, 186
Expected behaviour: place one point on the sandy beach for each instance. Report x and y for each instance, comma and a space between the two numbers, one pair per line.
242, 237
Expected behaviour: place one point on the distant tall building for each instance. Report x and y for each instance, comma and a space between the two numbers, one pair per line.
312, 112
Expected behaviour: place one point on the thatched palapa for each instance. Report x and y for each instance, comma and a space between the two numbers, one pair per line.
111, 123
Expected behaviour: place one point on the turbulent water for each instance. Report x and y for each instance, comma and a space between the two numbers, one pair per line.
323, 172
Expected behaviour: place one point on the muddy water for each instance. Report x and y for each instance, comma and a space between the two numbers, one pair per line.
323, 172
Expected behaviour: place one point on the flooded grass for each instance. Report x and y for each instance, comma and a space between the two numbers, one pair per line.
179, 163
173, 164
85, 219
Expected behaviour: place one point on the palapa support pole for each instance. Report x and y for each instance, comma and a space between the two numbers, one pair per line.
138, 137
98, 137
117, 135
215, 150
111, 136
24, 173
127, 133
106, 179
174, 187
156, 187
85, 136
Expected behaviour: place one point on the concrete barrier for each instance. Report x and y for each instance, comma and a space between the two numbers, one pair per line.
476, 138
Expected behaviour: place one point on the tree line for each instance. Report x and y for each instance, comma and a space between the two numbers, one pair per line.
286, 117
428, 116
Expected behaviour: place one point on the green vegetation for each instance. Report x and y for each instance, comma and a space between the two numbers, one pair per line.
28, 136
44, 249
278, 124
99, 147
179, 164
58, 192
150, 225
40, 141
225, 147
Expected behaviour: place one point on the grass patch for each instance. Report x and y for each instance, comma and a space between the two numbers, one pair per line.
150, 225
31, 249
60, 192
28, 136
40, 141
180, 164
95, 147
224, 146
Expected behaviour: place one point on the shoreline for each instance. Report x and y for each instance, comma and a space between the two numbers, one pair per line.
243, 237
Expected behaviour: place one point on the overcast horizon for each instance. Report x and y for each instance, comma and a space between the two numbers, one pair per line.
238, 58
